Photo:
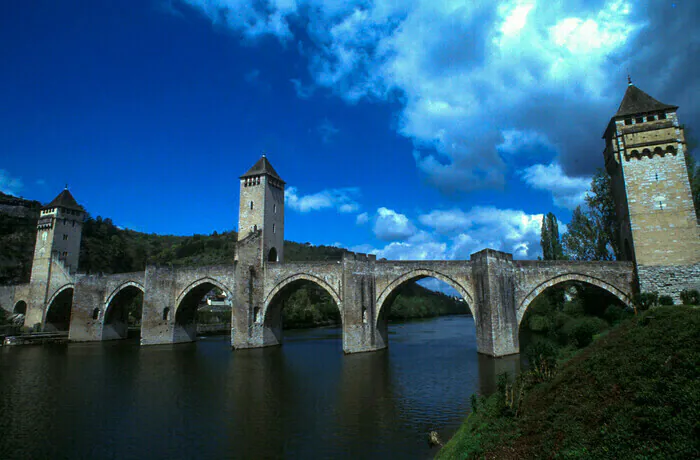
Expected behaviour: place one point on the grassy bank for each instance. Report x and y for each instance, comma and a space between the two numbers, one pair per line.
633, 393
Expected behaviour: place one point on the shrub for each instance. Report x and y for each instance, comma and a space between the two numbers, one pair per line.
614, 314
665, 300
574, 308
542, 357
579, 332
646, 300
690, 297
540, 323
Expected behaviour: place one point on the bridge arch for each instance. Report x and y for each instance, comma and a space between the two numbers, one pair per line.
115, 317
298, 277
185, 311
416, 275
58, 309
525, 303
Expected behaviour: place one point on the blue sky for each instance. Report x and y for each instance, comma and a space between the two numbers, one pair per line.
412, 129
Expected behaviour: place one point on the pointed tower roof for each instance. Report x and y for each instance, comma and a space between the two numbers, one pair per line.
262, 166
64, 200
637, 101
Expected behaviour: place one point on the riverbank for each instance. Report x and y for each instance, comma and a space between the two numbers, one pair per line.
634, 393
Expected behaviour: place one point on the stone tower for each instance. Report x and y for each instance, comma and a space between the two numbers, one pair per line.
658, 229
262, 208
59, 231
56, 252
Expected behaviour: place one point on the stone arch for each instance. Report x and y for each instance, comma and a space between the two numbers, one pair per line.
419, 274
119, 288
522, 307
59, 320
301, 276
196, 284
115, 315
185, 310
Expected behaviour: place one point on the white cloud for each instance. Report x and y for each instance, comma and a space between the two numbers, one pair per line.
468, 73
509, 230
303, 91
362, 219
390, 225
8, 184
567, 192
340, 199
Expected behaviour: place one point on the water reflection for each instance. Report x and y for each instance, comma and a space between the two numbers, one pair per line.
200, 400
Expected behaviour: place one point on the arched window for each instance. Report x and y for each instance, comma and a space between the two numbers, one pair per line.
651, 117
274, 228
628, 121
639, 120
251, 205
272, 255
96, 313
166, 314
274, 209
662, 116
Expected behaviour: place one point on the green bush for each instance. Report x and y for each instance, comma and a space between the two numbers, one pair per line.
579, 332
574, 308
614, 314
690, 297
646, 300
540, 323
666, 300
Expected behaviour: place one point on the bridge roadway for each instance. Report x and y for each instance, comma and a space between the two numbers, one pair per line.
496, 288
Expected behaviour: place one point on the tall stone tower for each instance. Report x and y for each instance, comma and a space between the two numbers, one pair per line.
658, 228
262, 208
56, 252
59, 231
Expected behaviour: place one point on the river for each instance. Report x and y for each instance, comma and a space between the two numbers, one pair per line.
306, 400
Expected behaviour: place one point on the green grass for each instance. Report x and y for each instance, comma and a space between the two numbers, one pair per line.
634, 393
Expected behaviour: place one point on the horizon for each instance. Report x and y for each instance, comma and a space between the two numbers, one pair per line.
412, 131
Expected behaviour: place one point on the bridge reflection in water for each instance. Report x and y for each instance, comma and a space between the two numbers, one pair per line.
199, 400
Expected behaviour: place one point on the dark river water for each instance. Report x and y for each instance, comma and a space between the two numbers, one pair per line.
117, 400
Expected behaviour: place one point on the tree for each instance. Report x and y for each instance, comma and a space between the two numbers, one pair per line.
601, 211
549, 239
581, 237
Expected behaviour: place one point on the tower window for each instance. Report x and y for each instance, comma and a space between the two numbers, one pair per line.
95, 313
661, 205
662, 116
651, 117
274, 208
166, 314
65, 237
251, 205
628, 121
273, 228
639, 120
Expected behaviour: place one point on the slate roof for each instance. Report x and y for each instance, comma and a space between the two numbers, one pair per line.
64, 200
637, 101
262, 166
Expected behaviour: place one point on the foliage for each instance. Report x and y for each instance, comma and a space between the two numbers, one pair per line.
614, 314
549, 239
690, 297
666, 300
693, 168
579, 332
592, 234
634, 393
646, 300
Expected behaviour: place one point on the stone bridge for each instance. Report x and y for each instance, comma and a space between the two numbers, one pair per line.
496, 289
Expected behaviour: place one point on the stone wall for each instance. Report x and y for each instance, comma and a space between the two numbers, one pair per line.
669, 280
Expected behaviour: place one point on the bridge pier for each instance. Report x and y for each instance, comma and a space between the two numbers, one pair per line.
495, 309
361, 330
88, 296
158, 311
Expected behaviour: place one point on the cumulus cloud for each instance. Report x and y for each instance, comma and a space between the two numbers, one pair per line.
362, 218
8, 184
341, 199
390, 225
468, 75
508, 230
567, 192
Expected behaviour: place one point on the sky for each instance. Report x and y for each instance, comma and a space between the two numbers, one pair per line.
412, 129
